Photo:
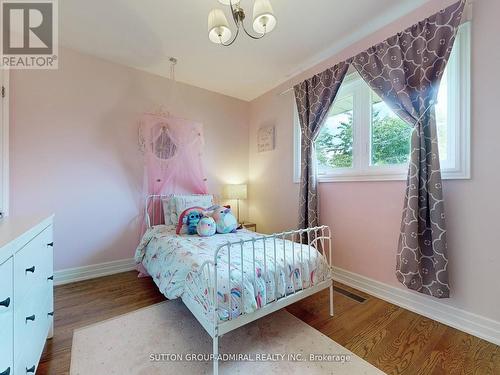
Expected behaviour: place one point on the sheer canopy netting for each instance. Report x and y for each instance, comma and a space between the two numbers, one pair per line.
173, 152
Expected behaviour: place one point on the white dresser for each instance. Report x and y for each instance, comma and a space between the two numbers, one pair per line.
26, 292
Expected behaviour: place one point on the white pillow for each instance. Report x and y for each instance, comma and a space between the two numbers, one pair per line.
181, 202
168, 209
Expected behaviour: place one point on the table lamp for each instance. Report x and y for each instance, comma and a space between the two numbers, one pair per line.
236, 192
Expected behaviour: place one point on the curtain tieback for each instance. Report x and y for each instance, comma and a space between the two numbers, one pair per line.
432, 102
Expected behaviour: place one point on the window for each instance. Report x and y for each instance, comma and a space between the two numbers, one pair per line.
362, 138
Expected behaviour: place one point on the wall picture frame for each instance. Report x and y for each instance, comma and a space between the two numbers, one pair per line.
266, 138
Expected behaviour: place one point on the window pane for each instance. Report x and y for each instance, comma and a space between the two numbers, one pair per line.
390, 136
442, 118
334, 143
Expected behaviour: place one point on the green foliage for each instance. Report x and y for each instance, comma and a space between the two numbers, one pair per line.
390, 142
335, 150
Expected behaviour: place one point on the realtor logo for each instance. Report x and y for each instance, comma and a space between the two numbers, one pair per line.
29, 34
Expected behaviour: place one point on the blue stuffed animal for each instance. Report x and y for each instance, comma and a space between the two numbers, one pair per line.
192, 219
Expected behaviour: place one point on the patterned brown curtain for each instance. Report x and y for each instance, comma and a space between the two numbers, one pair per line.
405, 71
314, 97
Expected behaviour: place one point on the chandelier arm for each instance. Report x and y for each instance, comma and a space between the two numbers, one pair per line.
234, 38
238, 17
239, 22
260, 36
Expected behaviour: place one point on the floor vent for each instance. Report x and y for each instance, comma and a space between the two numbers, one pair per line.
350, 295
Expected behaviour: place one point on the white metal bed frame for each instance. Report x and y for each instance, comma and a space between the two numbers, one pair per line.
317, 238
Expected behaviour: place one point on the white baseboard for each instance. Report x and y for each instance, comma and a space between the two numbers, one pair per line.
476, 325
71, 275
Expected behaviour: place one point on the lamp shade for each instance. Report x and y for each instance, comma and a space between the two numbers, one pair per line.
235, 191
263, 17
218, 27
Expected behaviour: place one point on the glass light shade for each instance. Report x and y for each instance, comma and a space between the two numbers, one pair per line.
235, 191
226, 2
218, 27
263, 17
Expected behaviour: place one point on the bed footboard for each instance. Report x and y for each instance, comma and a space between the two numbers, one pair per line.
302, 252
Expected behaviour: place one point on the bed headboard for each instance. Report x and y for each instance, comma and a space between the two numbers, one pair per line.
153, 209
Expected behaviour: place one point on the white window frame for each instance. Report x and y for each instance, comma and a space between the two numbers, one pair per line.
4, 144
459, 86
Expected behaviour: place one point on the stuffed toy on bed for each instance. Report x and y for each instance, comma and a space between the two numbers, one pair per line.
225, 220
206, 227
188, 220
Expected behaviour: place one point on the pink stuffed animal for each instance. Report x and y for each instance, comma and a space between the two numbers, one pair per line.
225, 220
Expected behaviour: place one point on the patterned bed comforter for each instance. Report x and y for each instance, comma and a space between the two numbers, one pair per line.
169, 258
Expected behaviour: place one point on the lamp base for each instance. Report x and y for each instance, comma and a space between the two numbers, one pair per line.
238, 208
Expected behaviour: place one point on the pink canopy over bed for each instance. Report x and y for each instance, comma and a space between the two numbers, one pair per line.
173, 152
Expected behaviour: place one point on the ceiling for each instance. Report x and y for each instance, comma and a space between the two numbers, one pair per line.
144, 34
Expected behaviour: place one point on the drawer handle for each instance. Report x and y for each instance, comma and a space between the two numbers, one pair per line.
6, 372
32, 318
5, 303
31, 369
51, 244
50, 313
31, 269
51, 278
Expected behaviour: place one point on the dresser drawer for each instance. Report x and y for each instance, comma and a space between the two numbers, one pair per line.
48, 320
6, 317
31, 325
26, 365
26, 327
46, 238
33, 265
6, 288
6, 348
27, 273
30, 321
47, 256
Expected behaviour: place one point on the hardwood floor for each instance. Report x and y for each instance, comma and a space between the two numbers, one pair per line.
80, 304
393, 339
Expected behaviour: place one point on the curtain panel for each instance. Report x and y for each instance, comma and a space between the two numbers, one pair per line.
314, 98
405, 71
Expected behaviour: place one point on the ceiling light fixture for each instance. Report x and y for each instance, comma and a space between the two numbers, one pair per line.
219, 32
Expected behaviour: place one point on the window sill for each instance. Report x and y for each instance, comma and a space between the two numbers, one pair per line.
446, 175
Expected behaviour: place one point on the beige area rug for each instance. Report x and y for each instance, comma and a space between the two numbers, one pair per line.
163, 338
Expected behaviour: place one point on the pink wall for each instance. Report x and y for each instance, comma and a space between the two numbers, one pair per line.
74, 149
365, 216
74, 152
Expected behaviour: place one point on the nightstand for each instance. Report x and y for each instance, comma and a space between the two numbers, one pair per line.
250, 226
